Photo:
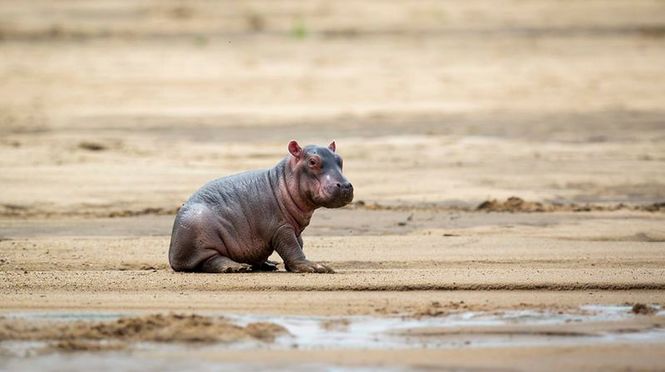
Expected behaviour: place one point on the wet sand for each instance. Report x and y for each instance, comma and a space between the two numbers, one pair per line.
76, 340
112, 114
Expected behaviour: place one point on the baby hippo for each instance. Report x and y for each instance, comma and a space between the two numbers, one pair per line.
234, 223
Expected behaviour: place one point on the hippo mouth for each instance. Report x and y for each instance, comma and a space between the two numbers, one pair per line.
337, 199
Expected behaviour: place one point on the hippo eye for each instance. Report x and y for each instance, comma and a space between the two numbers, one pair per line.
313, 162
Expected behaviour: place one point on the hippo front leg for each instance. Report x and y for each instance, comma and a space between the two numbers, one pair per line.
288, 247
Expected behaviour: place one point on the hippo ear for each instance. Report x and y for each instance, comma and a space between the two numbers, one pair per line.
295, 149
332, 146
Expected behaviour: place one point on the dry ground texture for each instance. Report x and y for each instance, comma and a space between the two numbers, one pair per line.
113, 113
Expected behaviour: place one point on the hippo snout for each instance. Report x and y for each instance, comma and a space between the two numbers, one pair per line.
342, 194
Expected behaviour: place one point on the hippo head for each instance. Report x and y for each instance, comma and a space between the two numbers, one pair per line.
319, 171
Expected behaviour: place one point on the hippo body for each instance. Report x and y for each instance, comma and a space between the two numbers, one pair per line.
234, 223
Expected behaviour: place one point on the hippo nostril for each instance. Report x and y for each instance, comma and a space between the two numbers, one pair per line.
345, 187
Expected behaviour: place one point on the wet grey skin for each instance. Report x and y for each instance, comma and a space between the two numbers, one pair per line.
234, 223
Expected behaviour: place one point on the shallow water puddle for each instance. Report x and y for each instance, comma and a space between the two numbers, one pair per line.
588, 325
592, 323
509, 328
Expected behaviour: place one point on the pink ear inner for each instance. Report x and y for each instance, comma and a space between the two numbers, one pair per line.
295, 149
332, 146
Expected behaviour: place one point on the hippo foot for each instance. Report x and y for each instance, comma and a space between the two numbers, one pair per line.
221, 264
237, 268
306, 266
266, 265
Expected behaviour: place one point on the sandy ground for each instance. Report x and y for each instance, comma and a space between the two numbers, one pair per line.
113, 113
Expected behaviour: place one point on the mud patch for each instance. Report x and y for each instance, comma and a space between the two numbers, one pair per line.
512, 204
643, 309
435, 308
101, 211
341, 324
87, 345
141, 212
515, 204
81, 335
650, 237
92, 146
